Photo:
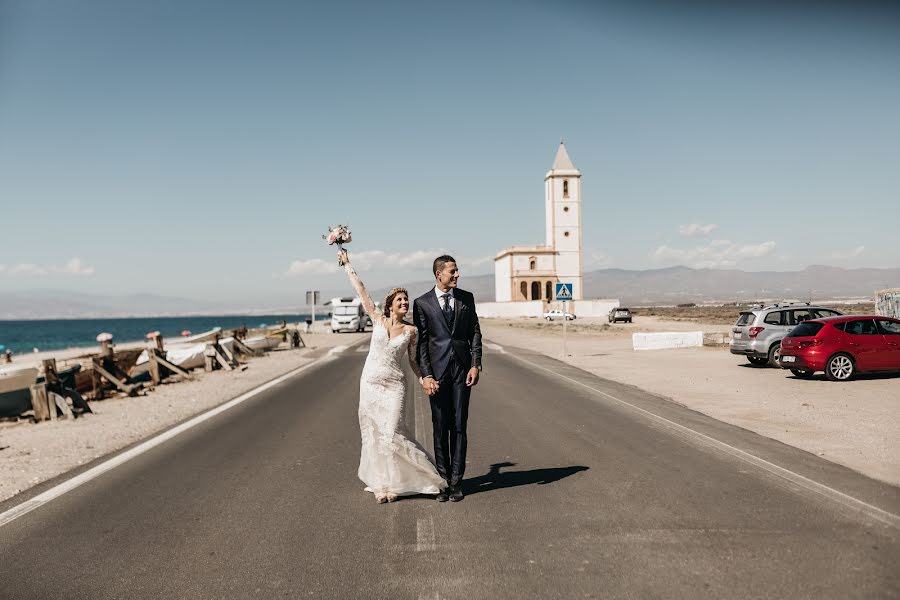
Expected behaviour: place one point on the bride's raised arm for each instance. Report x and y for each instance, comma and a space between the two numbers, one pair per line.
368, 305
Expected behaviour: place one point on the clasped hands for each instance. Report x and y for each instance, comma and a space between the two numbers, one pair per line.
431, 386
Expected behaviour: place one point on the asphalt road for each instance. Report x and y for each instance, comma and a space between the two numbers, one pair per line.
576, 488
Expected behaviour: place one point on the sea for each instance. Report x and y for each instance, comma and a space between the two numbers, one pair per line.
57, 334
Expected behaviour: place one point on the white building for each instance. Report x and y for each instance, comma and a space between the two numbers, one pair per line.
528, 274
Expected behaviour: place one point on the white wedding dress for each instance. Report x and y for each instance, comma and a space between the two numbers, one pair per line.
391, 462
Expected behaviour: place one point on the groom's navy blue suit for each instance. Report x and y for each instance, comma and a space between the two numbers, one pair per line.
449, 345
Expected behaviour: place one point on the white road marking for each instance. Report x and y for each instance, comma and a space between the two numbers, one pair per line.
362, 349
795, 478
496, 347
425, 534
337, 350
94, 472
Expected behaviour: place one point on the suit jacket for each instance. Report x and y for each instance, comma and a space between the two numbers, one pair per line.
438, 341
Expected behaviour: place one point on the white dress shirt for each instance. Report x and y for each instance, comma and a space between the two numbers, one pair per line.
439, 293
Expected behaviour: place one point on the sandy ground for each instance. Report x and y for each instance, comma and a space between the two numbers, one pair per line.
856, 424
32, 453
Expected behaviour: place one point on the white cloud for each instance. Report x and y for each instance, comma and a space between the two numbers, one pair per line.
595, 259
697, 230
27, 269
847, 254
475, 262
370, 260
313, 266
73, 266
715, 255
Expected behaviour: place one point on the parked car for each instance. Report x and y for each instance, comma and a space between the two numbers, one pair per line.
620, 314
757, 334
552, 315
842, 346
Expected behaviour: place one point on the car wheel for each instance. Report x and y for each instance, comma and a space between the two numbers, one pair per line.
757, 361
548, 318
775, 356
802, 373
629, 320
839, 367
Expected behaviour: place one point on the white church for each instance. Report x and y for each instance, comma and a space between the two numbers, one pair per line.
525, 276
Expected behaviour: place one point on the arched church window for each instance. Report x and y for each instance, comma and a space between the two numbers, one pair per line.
535, 290
549, 287
533, 264
524, 289
565, 188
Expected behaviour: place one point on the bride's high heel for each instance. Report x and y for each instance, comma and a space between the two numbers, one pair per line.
381, 498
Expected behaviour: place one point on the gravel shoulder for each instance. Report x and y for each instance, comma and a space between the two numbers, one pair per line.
855, 424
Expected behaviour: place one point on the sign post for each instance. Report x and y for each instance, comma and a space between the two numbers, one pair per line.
564, 294
312, 298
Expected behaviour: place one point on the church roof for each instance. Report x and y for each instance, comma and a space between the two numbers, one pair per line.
562, 162
538, 249
562, 165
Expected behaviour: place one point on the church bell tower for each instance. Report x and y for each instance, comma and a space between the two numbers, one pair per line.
562, 193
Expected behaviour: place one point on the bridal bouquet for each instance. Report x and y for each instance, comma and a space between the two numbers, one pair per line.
339, 236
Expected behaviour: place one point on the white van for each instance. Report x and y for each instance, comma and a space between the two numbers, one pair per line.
348, 314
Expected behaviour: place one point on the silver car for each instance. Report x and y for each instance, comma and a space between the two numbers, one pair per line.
757, 334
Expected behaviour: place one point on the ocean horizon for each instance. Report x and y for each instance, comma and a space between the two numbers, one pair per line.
28, 335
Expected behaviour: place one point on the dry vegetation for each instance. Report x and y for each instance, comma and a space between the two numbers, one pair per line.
727, 314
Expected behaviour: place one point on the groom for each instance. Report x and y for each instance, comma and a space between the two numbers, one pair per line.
449, 357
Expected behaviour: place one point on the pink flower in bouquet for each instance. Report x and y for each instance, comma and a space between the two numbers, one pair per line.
338, 235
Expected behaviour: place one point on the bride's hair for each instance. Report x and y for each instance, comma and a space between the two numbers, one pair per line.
390, 299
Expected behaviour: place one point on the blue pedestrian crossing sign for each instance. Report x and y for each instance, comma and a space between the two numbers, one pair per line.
563, 291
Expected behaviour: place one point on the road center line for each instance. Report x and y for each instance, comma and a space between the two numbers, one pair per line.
94, 472
830, 493
425, 534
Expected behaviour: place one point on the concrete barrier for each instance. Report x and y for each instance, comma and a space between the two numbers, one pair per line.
673, 339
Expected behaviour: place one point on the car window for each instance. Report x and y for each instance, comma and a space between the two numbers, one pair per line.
821, 313
775, 318
803, 314
745, 319
861, 327
806, 330
889, 327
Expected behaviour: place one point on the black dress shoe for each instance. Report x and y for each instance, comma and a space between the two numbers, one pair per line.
456, 493
442, 496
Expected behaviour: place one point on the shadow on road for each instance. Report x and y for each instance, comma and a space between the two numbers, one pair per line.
496, 479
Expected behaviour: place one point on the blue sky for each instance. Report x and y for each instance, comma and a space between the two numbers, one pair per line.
201, 148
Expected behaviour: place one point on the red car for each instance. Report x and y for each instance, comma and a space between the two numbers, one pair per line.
842, 346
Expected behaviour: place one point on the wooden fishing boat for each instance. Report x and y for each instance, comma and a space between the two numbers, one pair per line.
15, 389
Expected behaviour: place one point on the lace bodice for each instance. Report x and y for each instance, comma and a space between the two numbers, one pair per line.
386, 353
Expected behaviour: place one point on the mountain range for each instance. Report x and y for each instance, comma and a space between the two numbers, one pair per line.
674, 285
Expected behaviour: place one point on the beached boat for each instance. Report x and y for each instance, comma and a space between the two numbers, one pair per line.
208, 336
265, 342
15, 393
186, 356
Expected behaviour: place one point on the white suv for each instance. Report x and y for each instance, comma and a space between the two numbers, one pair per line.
758, 332
552, 315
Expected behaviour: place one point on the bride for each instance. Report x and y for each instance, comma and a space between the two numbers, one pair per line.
391, 464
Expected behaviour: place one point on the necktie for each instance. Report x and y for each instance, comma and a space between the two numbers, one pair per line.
448, 311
